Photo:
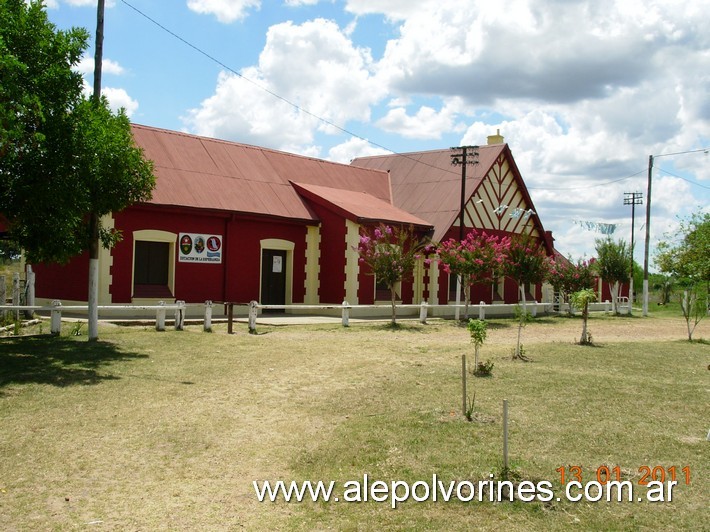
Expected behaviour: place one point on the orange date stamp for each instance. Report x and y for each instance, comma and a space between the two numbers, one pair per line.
605, 474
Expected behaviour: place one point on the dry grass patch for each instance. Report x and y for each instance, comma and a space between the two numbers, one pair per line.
157, 431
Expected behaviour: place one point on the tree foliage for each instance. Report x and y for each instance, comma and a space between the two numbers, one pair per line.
613, 260
689, 257
612, 264
688, 260
65, 159
391, 254
477, 259
581, 299
526, 262
568, 277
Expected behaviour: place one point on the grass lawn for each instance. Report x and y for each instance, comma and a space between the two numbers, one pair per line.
158, 431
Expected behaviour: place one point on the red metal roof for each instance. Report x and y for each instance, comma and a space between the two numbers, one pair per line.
358, 206
427, 185
206, 173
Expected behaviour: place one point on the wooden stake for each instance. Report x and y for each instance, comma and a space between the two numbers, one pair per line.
463, 383
505, 436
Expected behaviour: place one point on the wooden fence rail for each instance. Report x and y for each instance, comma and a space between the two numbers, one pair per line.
253, 309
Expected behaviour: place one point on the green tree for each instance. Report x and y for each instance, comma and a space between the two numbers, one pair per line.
582, 299
391, 254
688, 260
38, 89
478, 330
663, 284
476, 259
67, 161
612, 265
567, 277
526, 262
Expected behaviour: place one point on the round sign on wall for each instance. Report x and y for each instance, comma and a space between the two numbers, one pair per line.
185, 245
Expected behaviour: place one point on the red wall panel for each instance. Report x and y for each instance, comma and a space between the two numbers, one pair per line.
63, 281
332, 255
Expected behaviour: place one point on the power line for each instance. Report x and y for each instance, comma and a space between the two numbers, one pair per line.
683, 178
682, 152
590, 186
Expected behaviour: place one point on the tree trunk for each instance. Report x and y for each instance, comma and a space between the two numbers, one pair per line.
685, 305
93, 300
523, 316
467, 296
585, 315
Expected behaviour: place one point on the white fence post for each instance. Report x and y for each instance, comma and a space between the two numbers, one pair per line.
3, 295
56, 318
16, 293
253, 312
30, 302
346, 314
482, 311
533, 312
607, 306
208, 317
180, 316
160, 317
423, 311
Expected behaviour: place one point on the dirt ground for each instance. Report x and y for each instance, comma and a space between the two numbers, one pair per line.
603, 329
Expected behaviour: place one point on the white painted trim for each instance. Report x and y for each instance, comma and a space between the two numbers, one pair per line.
278, 244
352, 261
434, 282
312, 278
105, 263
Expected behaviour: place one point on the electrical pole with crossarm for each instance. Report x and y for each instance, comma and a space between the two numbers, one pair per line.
633, 199
462, 155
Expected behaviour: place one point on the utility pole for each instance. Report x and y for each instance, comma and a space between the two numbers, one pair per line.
93, 296
633, 199
99, 52
461, 157
648, 236
648, 218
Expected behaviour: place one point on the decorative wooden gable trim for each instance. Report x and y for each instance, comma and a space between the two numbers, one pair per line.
501, 202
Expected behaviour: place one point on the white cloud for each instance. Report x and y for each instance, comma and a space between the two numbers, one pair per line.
353, 148
86, 66
392, 9
312, 65
226, 11
427, 123
582, 90
119, 98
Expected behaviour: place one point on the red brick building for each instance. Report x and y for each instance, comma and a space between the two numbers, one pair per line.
232, 222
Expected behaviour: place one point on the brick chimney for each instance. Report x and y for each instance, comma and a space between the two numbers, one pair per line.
496, 139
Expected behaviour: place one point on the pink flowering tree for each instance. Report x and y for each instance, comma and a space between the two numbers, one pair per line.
391, 254
477, 259
567, 277
526, 262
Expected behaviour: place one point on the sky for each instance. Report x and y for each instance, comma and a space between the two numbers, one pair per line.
584, 91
